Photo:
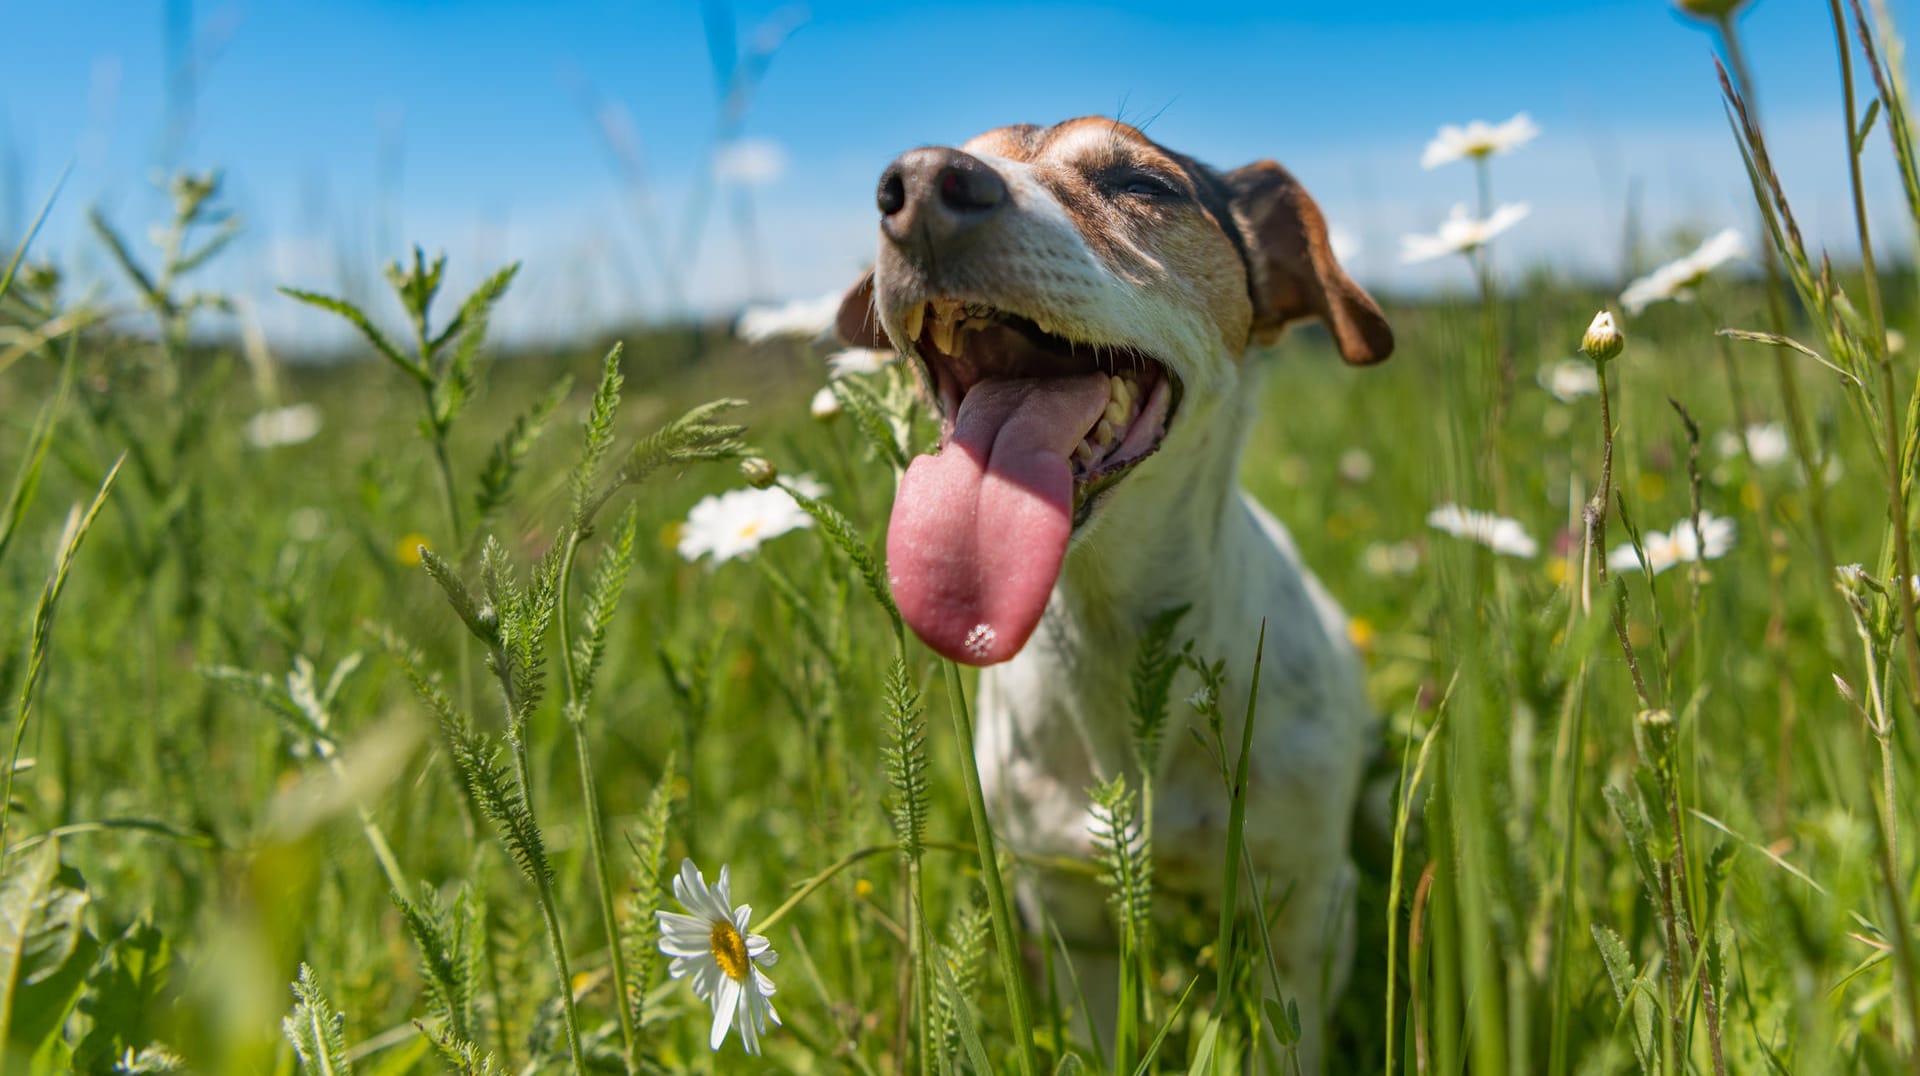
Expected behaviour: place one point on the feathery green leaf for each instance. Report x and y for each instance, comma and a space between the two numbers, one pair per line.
1155, 665
840, 531
642, 934
360, 321
906, 756
316, 1031
1120, 848
603, 595
871, 418
598, 439
482, 620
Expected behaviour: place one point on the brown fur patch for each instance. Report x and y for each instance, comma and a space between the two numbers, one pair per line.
1172, 241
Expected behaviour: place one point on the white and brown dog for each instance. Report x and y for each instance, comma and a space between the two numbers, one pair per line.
1079, 301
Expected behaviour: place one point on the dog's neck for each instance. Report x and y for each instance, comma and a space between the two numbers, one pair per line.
1170, 534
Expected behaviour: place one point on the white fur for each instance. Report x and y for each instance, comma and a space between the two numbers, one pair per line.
1054, 721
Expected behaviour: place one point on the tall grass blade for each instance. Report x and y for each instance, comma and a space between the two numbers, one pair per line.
40, 634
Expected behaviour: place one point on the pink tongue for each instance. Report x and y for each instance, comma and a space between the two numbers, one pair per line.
979, 530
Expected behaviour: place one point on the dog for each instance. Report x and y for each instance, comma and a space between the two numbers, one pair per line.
1078, 303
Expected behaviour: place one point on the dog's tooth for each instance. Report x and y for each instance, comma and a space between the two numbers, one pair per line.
915, 318
1116, 412
1084, 452
1103, 433
942, 329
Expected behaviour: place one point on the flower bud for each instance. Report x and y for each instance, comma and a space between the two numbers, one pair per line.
826, 406
1653, 733
1603, 341
1710, 10
758, 472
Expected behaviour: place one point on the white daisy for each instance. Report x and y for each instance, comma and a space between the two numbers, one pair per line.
1680, 546
1569, 379
733, 524
1677, 279
283, 426
1498, 533
1356, 466
1477, 140
825, 404
803, 317
713, 946
857, 360
1461, 233
1396, 558
306, 524
1767, 441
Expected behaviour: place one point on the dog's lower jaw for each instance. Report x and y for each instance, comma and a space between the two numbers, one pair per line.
1055, 720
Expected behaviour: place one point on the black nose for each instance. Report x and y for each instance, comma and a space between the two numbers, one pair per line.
933, 195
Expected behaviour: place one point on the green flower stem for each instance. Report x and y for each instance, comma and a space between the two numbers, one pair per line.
445, 467
550, 914
1897, 523
1801, 429
1236, 830
576, 713
807, 888
1004, 939
382, 851
1396, 878
921, 940
542, 880
1877, 347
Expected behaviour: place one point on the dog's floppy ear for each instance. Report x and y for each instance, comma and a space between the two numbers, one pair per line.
1295, 274
858, 322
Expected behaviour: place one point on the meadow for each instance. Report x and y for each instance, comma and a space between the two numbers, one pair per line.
364, 710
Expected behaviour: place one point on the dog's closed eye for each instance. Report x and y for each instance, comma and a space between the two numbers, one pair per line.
1138, 183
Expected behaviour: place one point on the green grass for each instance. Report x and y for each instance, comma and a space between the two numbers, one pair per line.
260, 745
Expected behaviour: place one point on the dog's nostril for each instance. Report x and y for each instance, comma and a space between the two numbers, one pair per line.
966, 184
892, 197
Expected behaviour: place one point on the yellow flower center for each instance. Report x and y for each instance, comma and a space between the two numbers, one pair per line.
729, 950
407, 549
750, 528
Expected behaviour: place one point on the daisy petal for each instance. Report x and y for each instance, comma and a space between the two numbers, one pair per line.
725, 1005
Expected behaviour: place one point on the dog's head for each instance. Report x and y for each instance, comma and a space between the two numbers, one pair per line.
1068, 292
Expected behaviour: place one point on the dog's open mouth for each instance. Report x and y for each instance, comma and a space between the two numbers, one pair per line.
964, 344
1035, 427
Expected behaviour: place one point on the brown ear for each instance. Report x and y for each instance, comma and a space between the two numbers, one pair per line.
858, 322
1294, 272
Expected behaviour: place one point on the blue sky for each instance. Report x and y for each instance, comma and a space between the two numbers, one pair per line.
350, 128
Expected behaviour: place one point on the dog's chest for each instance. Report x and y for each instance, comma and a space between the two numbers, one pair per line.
1057, 720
